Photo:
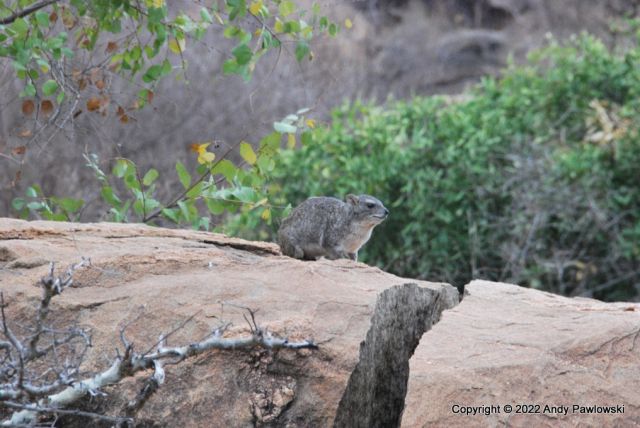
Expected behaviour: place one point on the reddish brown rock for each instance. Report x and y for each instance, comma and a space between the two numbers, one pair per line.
152, 279
502, 345
507, 345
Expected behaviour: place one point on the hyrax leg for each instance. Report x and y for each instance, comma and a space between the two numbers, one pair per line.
298, 252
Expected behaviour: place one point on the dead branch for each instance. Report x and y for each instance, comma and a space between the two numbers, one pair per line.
73, 412
20, 391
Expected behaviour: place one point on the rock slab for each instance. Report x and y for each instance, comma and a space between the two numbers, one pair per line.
150, 280
507, 345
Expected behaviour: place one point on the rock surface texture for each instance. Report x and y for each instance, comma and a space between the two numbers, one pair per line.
507, 345
151, 280
379, 337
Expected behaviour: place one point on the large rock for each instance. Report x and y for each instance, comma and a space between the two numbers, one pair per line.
503, 345
152, 279
507, 345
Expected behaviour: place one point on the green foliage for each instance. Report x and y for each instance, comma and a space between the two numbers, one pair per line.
218, 186
144, 41
130, 194
533, 178
51, 208
38, 40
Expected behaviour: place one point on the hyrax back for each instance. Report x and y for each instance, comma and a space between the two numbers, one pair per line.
328, 227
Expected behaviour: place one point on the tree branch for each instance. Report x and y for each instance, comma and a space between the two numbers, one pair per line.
70, 412
28, 11
21, 384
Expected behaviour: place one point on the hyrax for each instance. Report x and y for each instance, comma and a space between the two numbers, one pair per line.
328, 227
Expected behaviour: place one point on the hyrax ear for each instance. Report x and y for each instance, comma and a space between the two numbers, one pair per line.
352, 199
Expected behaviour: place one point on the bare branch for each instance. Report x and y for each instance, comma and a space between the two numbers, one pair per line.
151, 385
6, 330
49, 394
132, 363
52, 286
27, 11
70, 412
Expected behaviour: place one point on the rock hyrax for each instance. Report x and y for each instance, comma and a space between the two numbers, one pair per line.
328, 227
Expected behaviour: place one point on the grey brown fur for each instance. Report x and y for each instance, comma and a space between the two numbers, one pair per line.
328, 227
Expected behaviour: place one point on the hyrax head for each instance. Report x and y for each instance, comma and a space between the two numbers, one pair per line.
367, 209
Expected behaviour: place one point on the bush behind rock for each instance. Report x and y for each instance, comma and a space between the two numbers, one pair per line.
531, 178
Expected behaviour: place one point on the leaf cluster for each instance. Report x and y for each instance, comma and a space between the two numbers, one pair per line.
146, 39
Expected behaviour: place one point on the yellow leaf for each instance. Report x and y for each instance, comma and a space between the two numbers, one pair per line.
218, 18
278, 26
177, 46
206, 157
311, 123
266, 214
291, 140
348, 23
247, 153
258, 32
199, 148
255, 7
261, 202
155, 3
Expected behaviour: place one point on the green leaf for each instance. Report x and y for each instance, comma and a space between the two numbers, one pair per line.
215, 206
131, 181
244, 193
152, 74
266, 164
238, 9
306, 138
109, 197
187, 210
292, 27
50, 87
230, 66
333, 29
226, 168
203, 223
31, 192
247, 153
55, 216
242, 53
166, 67
183, 175
121, 167
29, 90
172, 214
138, 207
35, 205
150, 177
284, 128
71, 205
18, 203
195, 191
206, 16
271, 142
42, 18
286, 8
20, 27
302, 50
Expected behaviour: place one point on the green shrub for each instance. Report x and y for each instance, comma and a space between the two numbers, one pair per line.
533, 178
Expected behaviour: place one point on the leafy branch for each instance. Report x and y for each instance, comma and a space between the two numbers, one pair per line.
27, 11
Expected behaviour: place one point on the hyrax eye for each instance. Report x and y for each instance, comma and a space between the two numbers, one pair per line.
370, 205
